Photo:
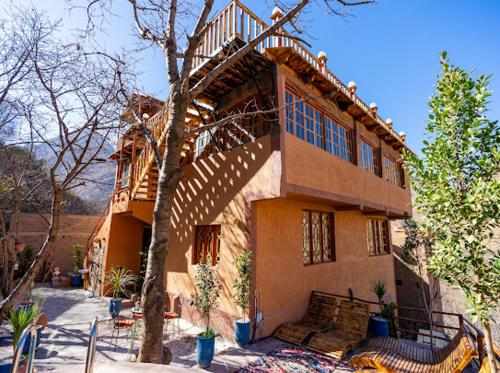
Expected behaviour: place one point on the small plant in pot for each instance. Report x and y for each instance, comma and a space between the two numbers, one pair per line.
119, 279
206, 298
380, 325
241, 288
76, 277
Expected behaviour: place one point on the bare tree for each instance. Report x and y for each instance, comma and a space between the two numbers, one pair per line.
75, 108
161, 23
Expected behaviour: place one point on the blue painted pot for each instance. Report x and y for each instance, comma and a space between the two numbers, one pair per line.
205, 351
380, 326
27, 345
242, 332
76, 280
7, 367
115, 306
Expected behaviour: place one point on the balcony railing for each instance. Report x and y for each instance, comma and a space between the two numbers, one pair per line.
237, 21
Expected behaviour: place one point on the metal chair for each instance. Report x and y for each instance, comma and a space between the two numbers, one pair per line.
119, 323
28, 334
174, 316
89, 362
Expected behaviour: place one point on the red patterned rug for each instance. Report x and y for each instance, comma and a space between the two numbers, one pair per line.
292, 359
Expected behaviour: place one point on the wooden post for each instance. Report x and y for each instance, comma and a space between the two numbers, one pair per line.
322, 59
275, 16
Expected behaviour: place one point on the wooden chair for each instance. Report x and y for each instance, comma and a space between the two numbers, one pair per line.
319, 317
349, 330
391, 355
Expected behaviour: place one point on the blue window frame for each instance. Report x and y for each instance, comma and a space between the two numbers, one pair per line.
299, 119
309, 124
289, 112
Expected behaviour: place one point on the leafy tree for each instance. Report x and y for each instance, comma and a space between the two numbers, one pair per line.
241, 285
207, 295
458, 190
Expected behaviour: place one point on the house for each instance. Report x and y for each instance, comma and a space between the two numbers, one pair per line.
308, 184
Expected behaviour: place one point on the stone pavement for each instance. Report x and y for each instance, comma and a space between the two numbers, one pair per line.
64, 341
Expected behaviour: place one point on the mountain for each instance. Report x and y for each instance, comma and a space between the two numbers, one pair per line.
99, 177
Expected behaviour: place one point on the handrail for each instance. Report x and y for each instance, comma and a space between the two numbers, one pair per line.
31, 333
89, 362
237, 21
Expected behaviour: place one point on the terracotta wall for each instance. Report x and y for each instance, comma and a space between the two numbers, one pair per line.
284, 281
336, 179
219, 190
75, 229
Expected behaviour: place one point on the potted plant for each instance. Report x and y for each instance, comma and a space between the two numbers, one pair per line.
76, 277
241, 288
207, 296
19, 319
380, 326
118, 279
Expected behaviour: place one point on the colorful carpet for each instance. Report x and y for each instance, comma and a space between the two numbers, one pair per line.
291, 359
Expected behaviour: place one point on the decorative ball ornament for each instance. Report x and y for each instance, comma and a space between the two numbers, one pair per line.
402, 135
276, 13
352, 86
322, 56
389, 123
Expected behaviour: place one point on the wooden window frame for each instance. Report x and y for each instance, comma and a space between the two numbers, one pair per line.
376, 167
395, 176
318, 133
214, 247
375, 237
310, 239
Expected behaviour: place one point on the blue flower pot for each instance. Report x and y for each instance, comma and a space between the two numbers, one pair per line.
242, 332
115, 306
76, 280
27, 344
380, 326
6, 367
205, 351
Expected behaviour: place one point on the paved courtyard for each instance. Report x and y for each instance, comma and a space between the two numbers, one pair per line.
64, 341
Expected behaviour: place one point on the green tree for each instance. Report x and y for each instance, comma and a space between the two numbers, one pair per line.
241, 284
458, 190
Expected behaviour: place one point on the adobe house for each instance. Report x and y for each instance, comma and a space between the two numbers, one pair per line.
309, 185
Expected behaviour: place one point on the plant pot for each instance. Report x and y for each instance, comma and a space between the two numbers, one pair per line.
205, 351
76, 280
27, 344
242, 332
115, 306
6, 367
379, 326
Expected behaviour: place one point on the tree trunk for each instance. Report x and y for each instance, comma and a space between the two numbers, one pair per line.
153, 290
489, 346
9, 261
48, 246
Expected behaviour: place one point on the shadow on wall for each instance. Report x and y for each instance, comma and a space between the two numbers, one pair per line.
217, 190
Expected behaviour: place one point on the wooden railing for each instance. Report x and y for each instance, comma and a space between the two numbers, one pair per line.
237, 21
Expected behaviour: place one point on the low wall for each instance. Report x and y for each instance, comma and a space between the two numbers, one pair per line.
75, 229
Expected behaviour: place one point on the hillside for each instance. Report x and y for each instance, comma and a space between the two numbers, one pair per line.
99, 177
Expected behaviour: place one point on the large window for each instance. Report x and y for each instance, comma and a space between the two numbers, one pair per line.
342, 142
393, 172
207, 244
318, 243
378, 236
307, 123
370, 158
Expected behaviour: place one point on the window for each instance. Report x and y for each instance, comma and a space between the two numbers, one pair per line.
207, 244
289, 112
310, 124
202, 141
378, 236
393, 172
369, 158
318, 245
342, 142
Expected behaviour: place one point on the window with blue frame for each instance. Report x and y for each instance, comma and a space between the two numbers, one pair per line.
309, 124
289, 112
299, 119
369, 158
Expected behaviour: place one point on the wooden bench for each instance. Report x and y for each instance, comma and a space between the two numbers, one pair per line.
388, 354
318, 318
350, 329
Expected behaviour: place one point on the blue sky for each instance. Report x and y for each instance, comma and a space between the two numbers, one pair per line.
390, 49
